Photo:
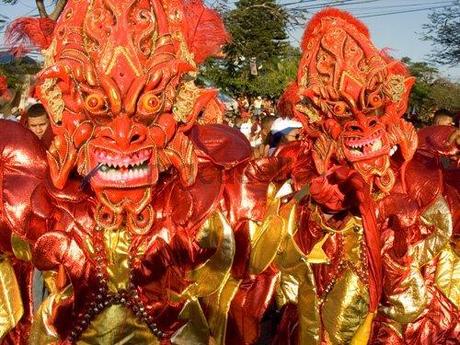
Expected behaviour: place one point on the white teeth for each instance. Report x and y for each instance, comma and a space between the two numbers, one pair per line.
376, 145
393, 150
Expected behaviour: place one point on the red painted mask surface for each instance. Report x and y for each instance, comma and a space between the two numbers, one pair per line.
119, 90
350, 97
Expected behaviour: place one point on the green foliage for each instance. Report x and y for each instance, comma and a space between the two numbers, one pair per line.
258, 30
430, 92
16, 70
444, 31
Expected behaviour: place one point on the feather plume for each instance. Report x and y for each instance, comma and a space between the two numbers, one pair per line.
25, 32
204, 30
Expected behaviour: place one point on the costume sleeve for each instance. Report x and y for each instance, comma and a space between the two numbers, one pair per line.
22, 169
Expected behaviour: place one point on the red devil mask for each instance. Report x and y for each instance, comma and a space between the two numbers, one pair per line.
350, 97
118, 86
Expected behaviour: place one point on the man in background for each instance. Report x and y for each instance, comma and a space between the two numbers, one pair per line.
443, 117
36, 119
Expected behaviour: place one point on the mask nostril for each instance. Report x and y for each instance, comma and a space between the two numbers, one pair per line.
135, 138
108, 138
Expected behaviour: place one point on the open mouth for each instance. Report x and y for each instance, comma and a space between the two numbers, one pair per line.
122, 168
363, 148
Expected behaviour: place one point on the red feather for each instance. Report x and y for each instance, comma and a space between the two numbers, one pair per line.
25, 32
3, 85
288, 100
4, 94
204, 30
331, 12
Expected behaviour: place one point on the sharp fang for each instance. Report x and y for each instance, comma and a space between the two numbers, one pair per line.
377, 145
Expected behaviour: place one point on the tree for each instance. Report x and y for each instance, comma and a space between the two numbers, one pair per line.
444, 31
430, 92
259, 60
54, 14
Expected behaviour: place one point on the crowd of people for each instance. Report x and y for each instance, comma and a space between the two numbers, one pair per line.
266, 128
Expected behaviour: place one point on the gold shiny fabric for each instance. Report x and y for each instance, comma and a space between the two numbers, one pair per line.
117, 325
196, 330
42, 331
117, 247
448, 275
309, 310
21, 248
11, 307
345, 308
343, 311
439, 216
410, 300
219, 305
210, 276
267, 236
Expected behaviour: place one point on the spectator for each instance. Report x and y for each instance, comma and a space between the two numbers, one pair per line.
245, 127
257, 106
443, 117
265, 137
36, 119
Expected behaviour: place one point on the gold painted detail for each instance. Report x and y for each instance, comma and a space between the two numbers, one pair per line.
11, 307
394, 87
185, 101
21, 248
184, 53
108, 62
448, 275
345, 308
49, 89
52, 95
48, 54
210, 276
312, 114
117, 244
437, 215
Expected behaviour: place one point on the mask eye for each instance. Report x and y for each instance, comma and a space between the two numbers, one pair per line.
95, 104
375, 100
149, 104
340, 109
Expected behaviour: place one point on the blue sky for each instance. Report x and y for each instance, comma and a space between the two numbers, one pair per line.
400, 32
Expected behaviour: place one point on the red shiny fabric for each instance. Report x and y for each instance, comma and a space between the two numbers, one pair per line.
57, 221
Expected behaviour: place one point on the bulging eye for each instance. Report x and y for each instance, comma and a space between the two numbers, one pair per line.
340, 109
149, 104
95, 103
375, 100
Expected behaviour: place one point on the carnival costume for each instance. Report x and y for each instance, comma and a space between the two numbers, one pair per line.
376, 215
140, 213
